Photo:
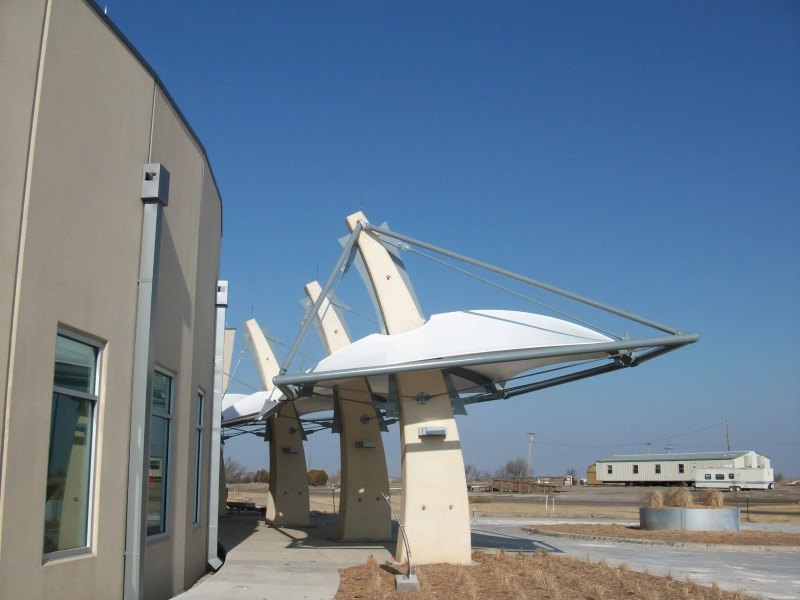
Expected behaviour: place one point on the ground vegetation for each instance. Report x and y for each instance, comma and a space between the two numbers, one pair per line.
505, 576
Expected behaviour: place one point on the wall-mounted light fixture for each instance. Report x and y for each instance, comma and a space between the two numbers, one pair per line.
432, 431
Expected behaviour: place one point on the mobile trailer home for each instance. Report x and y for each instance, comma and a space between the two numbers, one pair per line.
671, 469
735, 479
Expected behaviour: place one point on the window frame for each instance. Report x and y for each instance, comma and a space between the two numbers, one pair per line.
635, 469
168, 416
658, 469
96, 400
609, 469
681, 468
199, 427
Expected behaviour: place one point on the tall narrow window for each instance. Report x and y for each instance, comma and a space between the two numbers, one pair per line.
680, 468
159, 454
198, 457
658, 469
610, 469
69, 464
635, 469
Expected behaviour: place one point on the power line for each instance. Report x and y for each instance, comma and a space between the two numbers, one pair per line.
545, 441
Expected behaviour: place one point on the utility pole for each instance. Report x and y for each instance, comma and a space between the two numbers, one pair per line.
530, 448
668, 448
649, 449
728, 434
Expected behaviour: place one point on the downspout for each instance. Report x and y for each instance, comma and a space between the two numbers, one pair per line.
155, 192
214, 562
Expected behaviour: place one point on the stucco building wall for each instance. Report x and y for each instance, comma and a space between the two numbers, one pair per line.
81, 114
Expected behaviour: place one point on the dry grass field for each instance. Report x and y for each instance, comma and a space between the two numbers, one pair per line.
741, 538
504, 576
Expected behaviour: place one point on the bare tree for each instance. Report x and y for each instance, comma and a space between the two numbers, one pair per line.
471, 472
516, 468
234, 470
572, 472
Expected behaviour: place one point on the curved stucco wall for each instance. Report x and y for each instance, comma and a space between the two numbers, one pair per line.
81, 114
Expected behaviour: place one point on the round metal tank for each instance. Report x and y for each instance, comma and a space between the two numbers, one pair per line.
690, 519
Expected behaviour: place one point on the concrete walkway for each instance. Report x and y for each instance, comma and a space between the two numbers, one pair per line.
266, 563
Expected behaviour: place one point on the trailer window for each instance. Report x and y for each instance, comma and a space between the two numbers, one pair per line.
708, 476
680, 467
719, 476
730, 475
610, 469
635, 469
658, 469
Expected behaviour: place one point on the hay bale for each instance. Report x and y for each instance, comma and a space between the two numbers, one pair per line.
679, 498
655, 499
713, 499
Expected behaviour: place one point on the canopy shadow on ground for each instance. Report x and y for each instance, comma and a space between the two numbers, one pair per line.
488, 540
235, 528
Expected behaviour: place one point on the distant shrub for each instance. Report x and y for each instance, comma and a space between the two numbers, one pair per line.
317, 477
679, 498
713, 498
655, 499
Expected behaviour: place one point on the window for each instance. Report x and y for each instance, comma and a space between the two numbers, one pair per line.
730, 475
198, 457
680, 468
708, 476
658, 469
635, 469
159, 454
719, 476
70, 458
610, 469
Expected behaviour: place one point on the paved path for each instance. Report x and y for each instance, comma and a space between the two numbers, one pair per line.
265, 563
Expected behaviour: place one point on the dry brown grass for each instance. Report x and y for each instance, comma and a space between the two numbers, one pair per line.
740, 538
505, 576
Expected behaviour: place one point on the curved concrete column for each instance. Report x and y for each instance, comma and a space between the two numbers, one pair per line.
435, 509
363, 512
288, 502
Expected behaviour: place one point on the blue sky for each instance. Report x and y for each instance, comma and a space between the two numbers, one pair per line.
641, 153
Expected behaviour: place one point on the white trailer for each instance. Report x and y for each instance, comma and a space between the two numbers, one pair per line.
734, 478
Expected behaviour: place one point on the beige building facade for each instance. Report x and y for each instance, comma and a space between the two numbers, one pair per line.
82, 115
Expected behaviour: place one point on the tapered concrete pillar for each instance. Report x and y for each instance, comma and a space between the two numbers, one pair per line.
435, 509
288, 502
363, 512
288, 478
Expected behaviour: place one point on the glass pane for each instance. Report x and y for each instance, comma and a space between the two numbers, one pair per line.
162, 392
157, 476
198, 472
75, 365
68, 474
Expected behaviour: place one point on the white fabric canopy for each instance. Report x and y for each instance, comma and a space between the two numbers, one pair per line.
237, 406
465, 333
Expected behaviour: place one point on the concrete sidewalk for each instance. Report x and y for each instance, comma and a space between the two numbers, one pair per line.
266, 563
